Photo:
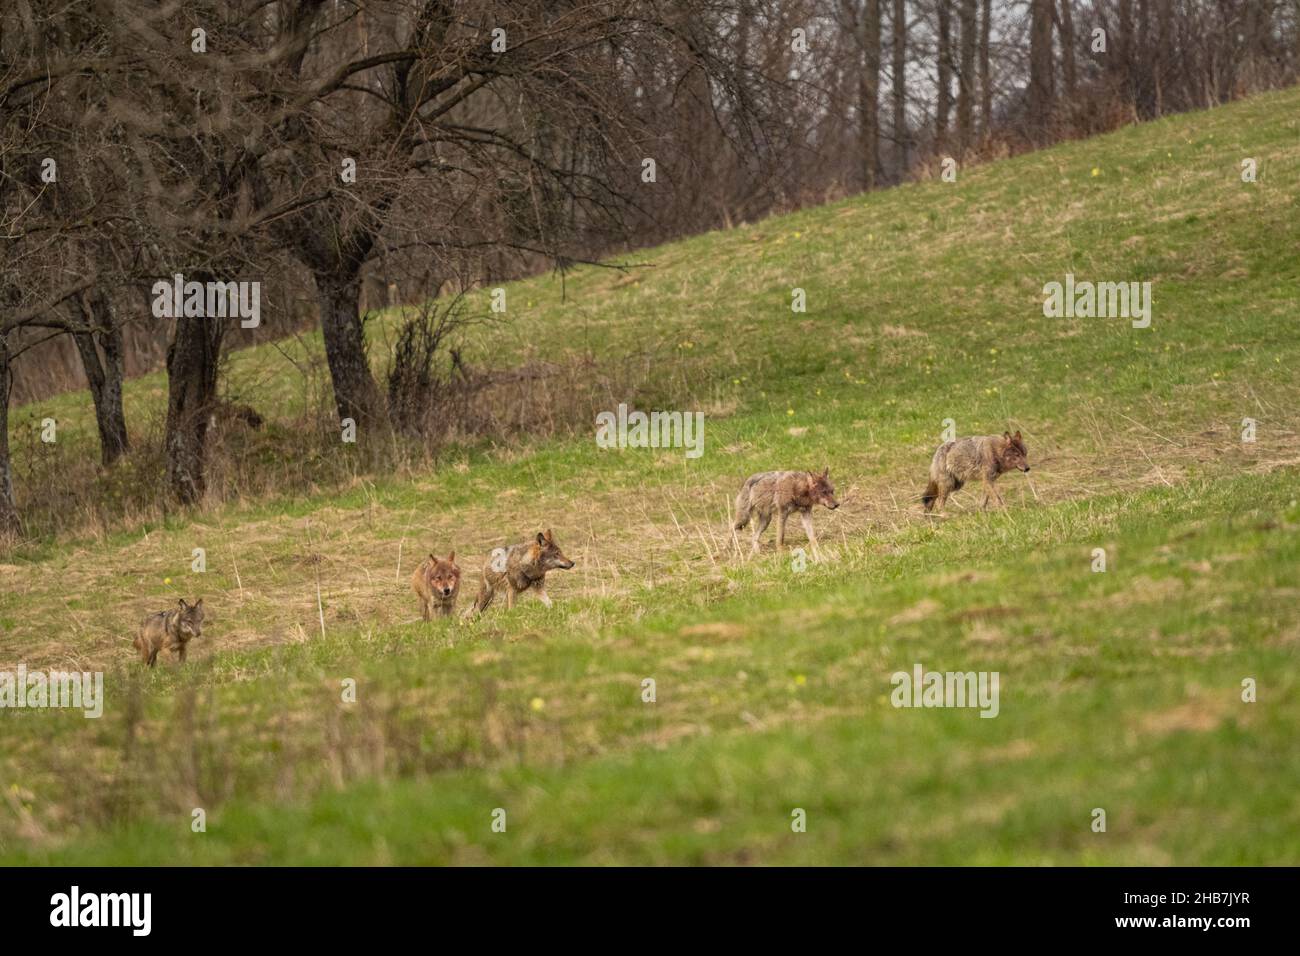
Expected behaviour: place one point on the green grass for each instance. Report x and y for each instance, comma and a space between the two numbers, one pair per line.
1119, 690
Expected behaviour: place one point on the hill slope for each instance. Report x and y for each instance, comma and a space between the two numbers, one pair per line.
1120, 690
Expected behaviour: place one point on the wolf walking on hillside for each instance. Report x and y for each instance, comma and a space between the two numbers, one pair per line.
519, 568
172, 629
780, 493
982, 457
436, 583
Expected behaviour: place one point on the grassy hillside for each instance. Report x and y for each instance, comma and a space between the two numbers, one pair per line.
1120, 690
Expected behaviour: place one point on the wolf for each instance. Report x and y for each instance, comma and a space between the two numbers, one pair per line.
436, 583
172, 629
780, 493
519, 568
983, 457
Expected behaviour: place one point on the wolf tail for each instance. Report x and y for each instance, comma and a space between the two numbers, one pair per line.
930, 494
742, 506
481, 600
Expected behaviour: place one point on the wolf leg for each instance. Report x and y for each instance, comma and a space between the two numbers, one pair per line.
764, 519
989, 492
806, 518
781, 514
542, 595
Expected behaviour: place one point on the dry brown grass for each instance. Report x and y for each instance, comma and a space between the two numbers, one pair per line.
261, 585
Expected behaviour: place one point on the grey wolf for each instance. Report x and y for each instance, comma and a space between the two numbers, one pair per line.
780, 493
172, 629
520, 568
436, 583
982, 457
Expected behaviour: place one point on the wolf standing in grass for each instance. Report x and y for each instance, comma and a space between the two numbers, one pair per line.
172, 629
519, 568
436, 583
780, 493
984, 457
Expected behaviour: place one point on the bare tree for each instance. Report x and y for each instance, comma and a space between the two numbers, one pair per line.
510, 129
1065, 26
193, 361
869, 93
9, 522
98, 337
966, 77
68, 199
986, 76
899, 66
943, 101
1042, 91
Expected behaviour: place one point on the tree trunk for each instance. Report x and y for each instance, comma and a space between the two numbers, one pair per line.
1125, 51
9, 523
192, 363
986, 79
1144, 60
869, 93
900, 87
943, 104
1041, 80
104, 375
1162, 54
1069, 70
356, 396
966, 90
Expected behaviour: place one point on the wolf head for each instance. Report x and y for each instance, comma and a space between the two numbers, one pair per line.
443, 576
821, 489
548, 554
1014, 453
189, 619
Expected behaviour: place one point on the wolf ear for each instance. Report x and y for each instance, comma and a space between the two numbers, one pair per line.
1018, 434
826, 472
181, 603
198, 603
549, 537
451, 558
541, 538
432, 558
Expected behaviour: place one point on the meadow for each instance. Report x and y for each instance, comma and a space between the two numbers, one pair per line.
1121, 689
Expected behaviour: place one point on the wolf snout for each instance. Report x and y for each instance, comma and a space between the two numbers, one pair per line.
1026, 469
446, 592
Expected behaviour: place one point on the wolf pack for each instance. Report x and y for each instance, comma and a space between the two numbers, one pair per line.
515, 569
